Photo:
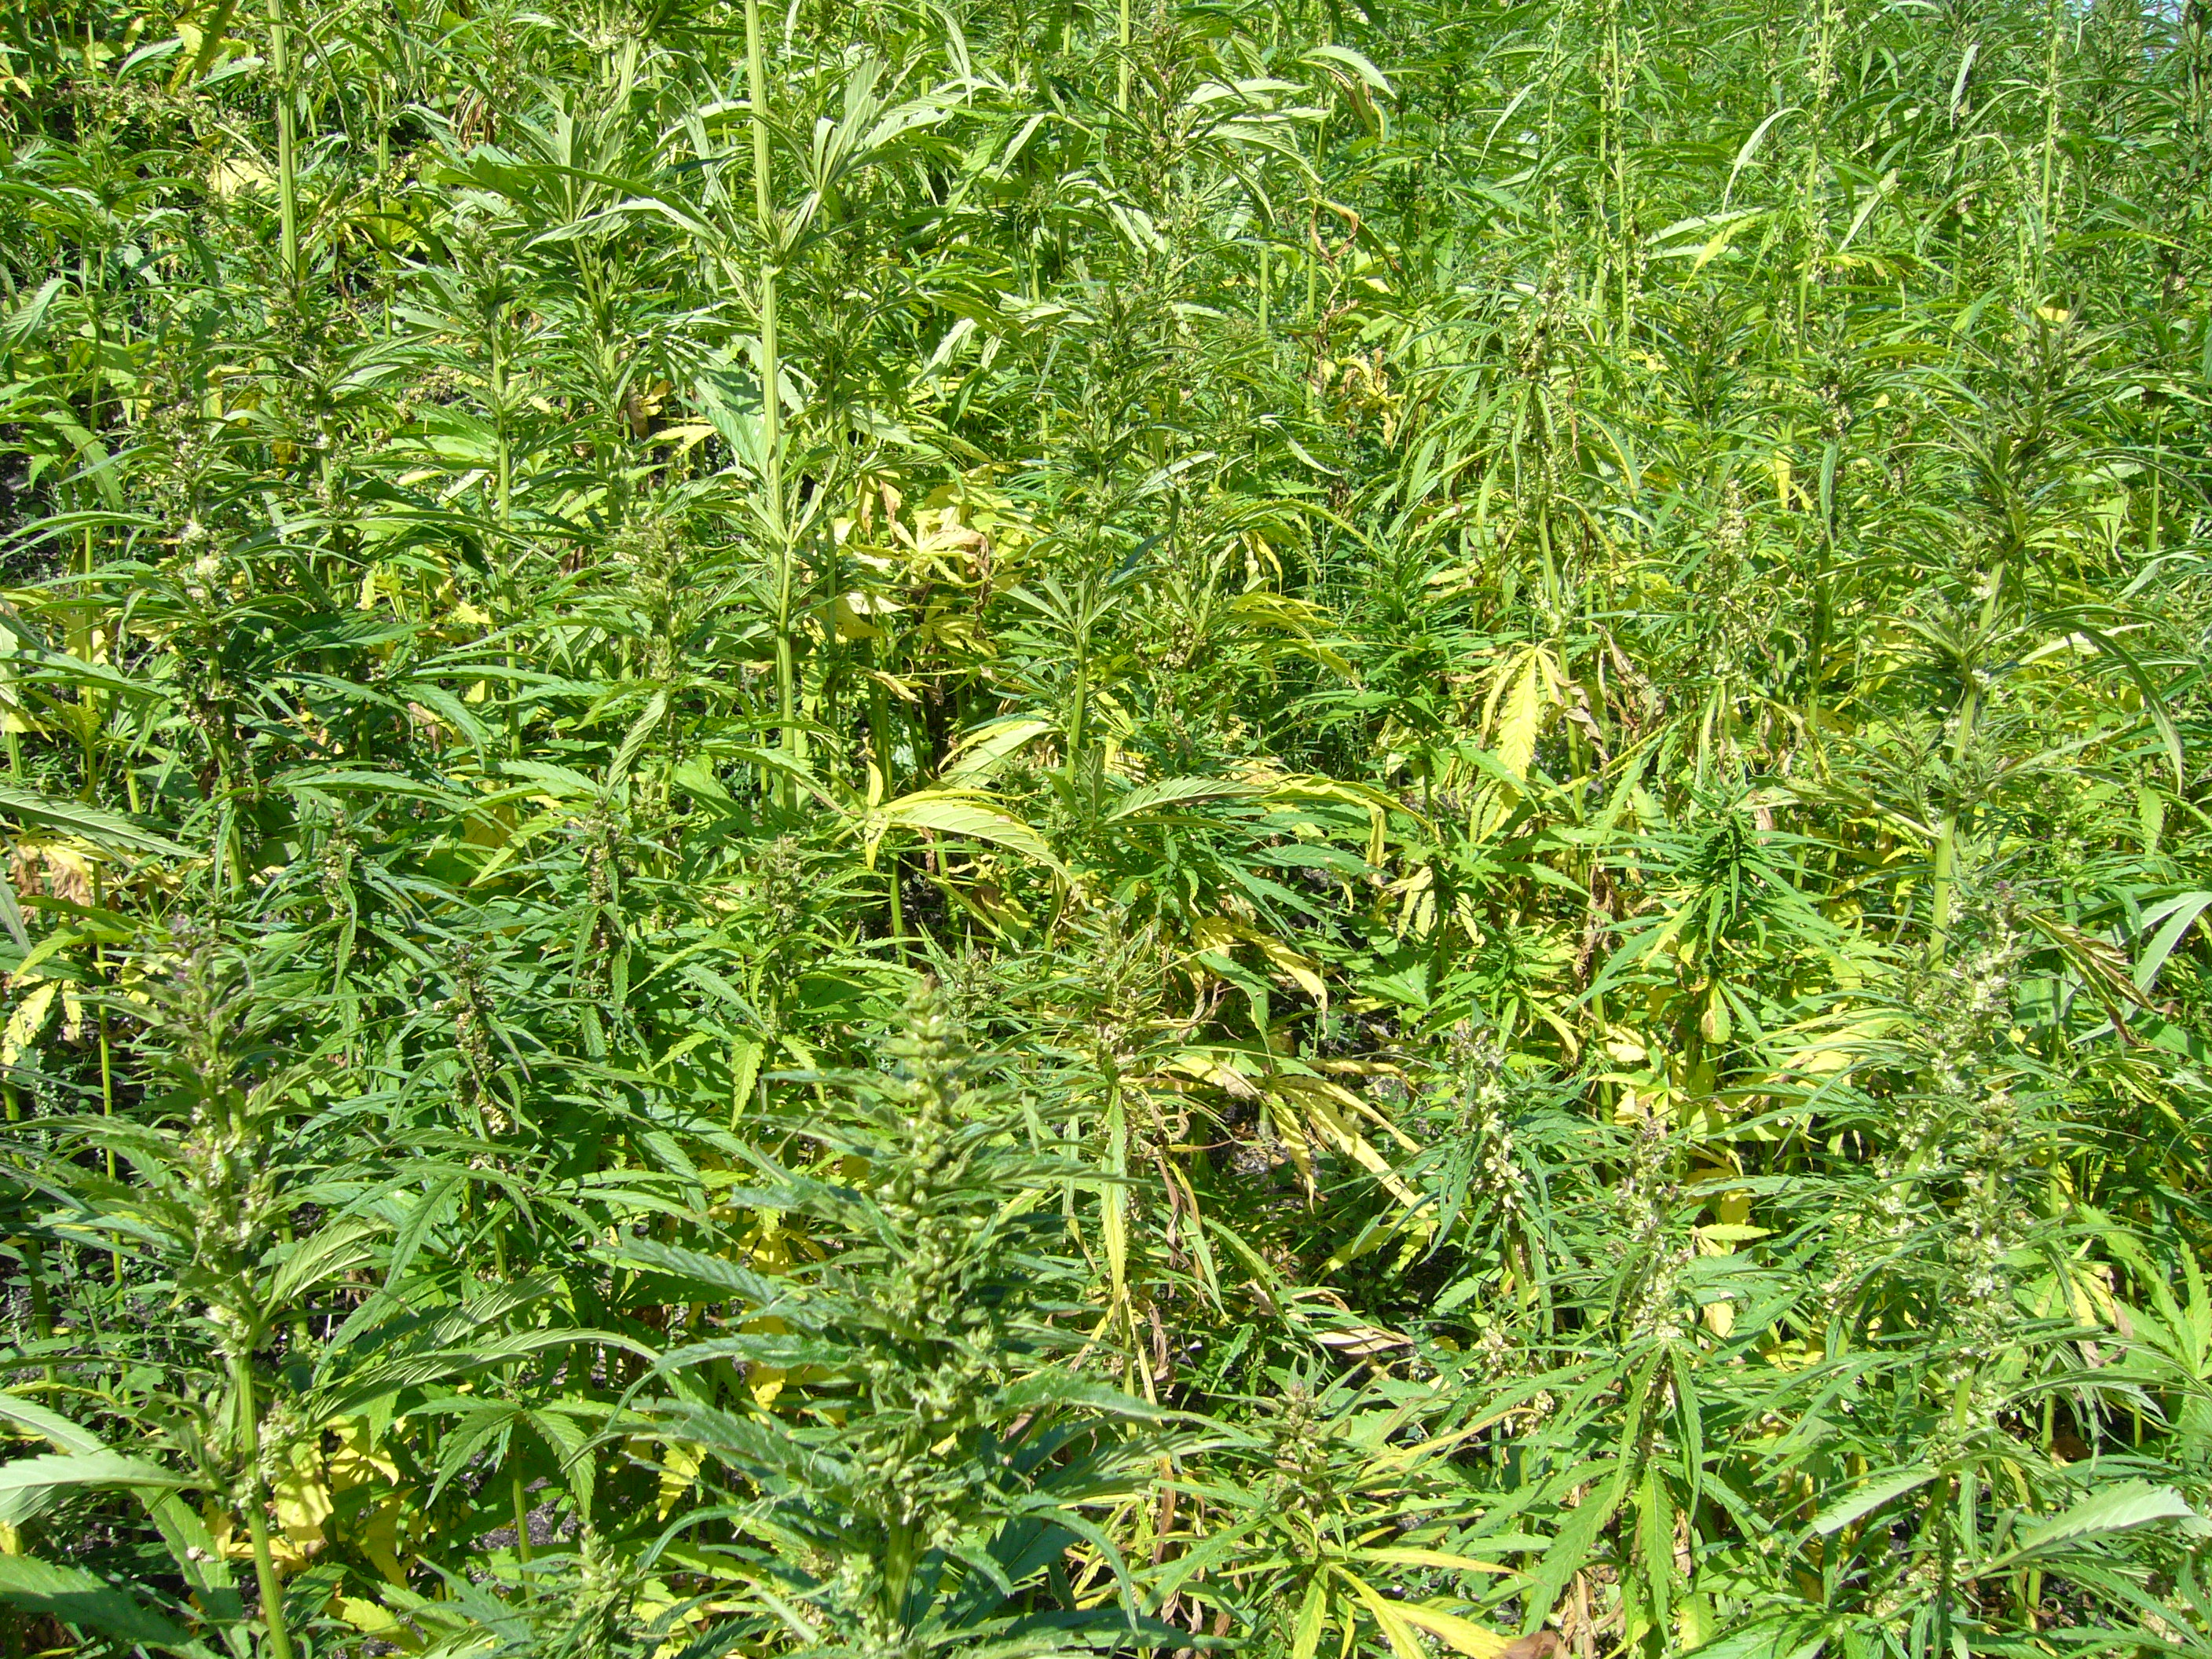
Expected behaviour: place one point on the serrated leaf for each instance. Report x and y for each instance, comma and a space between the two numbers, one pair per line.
1869, 1498
964, 816
2120, 1508
73, 1596
97, 825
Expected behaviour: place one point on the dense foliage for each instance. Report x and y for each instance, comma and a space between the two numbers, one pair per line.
884, 829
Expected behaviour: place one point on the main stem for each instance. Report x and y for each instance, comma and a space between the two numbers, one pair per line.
1943, 875
287, 187
520, 1495
257, 1523
1121, 89
771, 366
503, 452
106, 1082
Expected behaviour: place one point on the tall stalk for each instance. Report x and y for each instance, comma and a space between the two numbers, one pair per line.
287, 182
503, 500
771, 371
1943, 874
1122, 82
248, 1428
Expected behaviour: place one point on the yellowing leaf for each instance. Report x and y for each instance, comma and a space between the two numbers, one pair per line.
1219, 933
852, 624
27, 1021
983, 751
1464, 1634
379, 1622
376, 1535
1522, 693
1390, 1615
1312, 1613
679, 1470
357, 1462
685, 437
1313, 1094
302, 1499
954, 814
1722, 238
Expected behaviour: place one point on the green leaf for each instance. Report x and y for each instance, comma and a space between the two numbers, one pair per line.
29, 1414
334, 1250
2177, 914
29, 1484
1869, 1498
1571, 1547
74, 1597
964, 816
96, 824
2152, 702
1345, 57
1177, 791
2120, 1508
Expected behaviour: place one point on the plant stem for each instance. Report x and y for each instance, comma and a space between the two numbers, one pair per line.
248, 1425
1943, 873
1121, 88
505, 475
287, 186
520, 1495
771, 372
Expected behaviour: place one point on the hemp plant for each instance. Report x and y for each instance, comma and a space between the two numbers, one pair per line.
946, 1453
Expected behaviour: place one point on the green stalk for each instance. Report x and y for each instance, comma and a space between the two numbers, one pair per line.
879, 723
107, 1091
1122, 91
2053, 26
1943, 873
899, 1557
786, 697
502, 448
106, 1066
2158, 472
257, 1523
42, 1306
287, 184
764, 220
520, 1495
1616, 79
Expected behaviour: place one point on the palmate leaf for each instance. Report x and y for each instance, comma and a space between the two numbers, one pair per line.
1168, 793
2117, 1509
97, 825
720, 1272
2173, 917
966, 816
369, 1384
1869, 1498
330, 1251
75, 1597
986, 749
1402, 1621
49, 1424
180, 1526
1571, 1547
1772, 1639
29, 1485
